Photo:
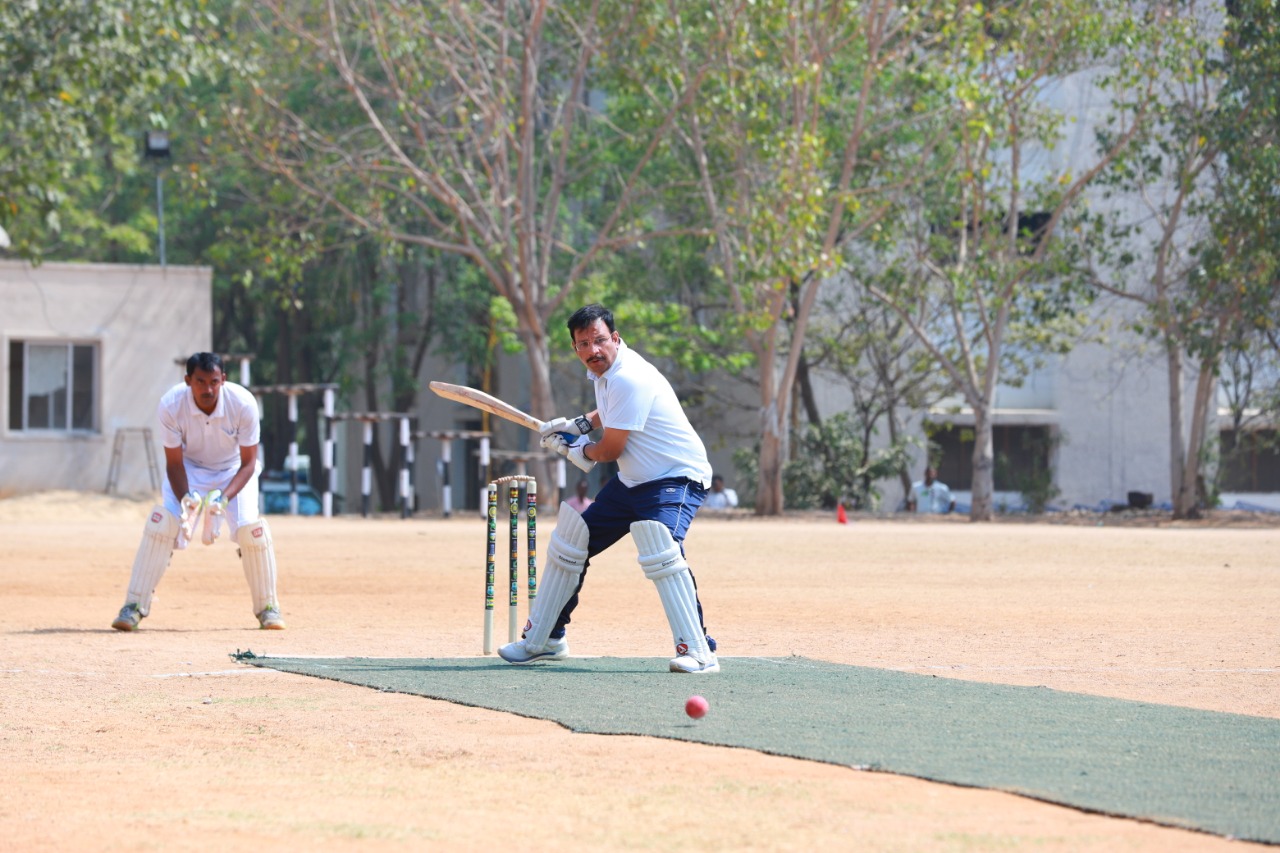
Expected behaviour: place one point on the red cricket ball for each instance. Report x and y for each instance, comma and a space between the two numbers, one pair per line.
696, 707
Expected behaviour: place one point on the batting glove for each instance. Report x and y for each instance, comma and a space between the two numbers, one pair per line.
581, 425
573, 451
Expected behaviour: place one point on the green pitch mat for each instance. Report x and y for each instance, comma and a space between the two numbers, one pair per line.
1214, 772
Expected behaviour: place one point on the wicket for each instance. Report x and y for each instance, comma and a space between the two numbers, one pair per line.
514, 483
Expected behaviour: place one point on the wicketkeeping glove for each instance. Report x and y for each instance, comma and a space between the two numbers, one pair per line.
215, 511
192, 504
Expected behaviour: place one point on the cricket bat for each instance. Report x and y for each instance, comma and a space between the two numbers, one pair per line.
480, 400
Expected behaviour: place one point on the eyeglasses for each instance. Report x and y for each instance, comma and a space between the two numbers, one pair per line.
583, 346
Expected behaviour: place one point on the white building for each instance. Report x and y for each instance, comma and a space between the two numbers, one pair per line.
86, 351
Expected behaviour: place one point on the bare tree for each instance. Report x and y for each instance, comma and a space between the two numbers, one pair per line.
470, 129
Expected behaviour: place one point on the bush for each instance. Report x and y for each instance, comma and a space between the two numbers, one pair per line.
827, 467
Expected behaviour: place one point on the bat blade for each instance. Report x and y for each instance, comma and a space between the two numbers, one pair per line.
477, 399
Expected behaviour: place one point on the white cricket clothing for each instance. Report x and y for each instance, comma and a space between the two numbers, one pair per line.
211, 447
633, 395
210, 441
932, 498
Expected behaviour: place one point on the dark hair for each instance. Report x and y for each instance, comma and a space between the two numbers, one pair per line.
208, 361
588, 314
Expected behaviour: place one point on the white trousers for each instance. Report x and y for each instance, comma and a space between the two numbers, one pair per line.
241, 510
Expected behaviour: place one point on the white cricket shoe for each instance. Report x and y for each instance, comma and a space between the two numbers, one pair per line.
270, 619
128, 619
519, 653
688, 663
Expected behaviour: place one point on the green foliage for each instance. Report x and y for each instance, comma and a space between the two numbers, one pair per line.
1240, 275
831, 465
80, 81
1035, 481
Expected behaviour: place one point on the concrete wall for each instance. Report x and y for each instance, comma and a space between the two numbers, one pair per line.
141, 318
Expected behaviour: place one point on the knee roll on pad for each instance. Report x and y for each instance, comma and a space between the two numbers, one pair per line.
258, 558
149, 564
566, 560
660, 556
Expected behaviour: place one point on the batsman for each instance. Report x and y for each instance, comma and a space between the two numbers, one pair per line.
663, 476
210, 429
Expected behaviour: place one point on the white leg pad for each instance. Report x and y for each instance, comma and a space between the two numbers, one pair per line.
663, 564
152, 559
259, 560
566, 558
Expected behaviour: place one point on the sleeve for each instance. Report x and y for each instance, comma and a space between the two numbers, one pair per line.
629, 404
250, 426
170, 431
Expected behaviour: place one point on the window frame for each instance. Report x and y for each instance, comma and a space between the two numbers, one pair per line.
18, 398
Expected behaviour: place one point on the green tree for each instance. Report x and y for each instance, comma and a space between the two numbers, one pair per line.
1205, 172
472, 130
858, 343
79, 82
986, 283
806, 121
834, 466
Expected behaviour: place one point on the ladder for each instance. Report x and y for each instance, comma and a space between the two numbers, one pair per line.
117, 455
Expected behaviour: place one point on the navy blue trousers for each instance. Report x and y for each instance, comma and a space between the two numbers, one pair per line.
673, 502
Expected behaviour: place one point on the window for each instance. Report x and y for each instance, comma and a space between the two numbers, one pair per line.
1020, 451
1250, 461
53, 385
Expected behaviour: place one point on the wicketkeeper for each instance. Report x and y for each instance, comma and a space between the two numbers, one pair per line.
662, 479
210, 428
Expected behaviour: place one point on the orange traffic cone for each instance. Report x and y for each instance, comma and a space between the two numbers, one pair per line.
840, 514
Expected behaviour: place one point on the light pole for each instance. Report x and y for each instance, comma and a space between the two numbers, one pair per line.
156, 147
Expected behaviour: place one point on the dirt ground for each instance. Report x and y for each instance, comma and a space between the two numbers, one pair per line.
158, 741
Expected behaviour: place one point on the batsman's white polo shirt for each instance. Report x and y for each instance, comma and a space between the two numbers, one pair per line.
633, 395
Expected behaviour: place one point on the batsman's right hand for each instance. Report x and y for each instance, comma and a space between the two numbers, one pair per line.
581, 425
558, 442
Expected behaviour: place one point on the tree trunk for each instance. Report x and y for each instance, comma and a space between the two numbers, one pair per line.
984, 467
904, 476
543, 404
1200, 414
772, 459
1183, 491
807, 396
